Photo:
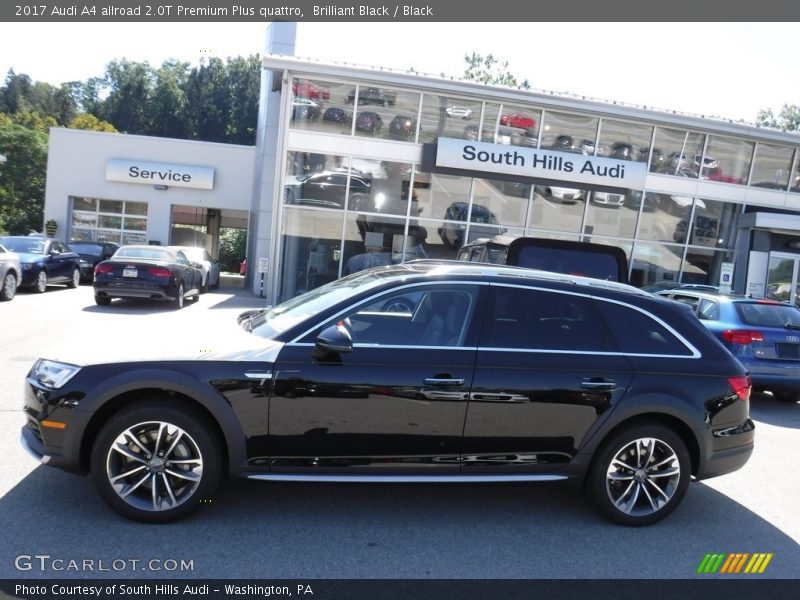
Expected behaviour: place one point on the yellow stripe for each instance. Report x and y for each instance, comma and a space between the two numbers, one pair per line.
724, 568
766, 562
751, 563
741, 562
758, 563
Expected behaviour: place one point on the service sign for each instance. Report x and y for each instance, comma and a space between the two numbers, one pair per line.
158, 174
501, 159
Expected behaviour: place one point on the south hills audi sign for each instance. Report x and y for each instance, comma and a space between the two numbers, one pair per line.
500, 159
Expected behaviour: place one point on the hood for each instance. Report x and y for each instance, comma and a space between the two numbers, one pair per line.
28, 257
235, 345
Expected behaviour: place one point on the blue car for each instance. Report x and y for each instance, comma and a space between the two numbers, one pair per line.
763, 334
44, 261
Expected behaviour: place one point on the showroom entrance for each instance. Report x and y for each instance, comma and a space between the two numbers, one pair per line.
782, 277
221, 231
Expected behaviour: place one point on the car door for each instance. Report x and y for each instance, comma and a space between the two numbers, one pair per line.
546, 372
192, 276
60, 262
396, 403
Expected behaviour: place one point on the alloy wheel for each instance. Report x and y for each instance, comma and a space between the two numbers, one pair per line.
154, 466
41, 282
643, 476
9, 286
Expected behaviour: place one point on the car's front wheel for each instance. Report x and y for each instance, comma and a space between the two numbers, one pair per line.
40, 285
75, 281
155, 462
102, 300
9, 288
640, 474
177, 303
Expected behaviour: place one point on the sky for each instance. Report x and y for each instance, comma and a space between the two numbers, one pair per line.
728, 70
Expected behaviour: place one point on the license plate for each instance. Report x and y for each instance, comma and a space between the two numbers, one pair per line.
130, 273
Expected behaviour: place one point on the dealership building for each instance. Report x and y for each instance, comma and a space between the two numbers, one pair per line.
356, 167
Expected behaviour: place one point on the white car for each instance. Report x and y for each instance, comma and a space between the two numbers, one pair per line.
608, 199
461, 112
10, 274
209, 266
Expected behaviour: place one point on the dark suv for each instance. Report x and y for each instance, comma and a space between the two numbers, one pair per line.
428, 371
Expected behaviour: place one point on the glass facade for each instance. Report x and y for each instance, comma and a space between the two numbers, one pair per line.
346, 213
98, 220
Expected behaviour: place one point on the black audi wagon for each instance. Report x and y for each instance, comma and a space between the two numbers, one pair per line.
428, 371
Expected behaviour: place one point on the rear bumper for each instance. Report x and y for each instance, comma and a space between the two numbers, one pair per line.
722, 462
151, 293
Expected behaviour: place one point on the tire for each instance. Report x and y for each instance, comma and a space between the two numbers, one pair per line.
639, 495
9, 287
786, 395
130, 463
76, 279
215, 285
40, 285
102, 300
204, 285
177, 303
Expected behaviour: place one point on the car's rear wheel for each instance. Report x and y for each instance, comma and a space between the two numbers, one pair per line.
102, 300
155, 462
177, 303
9, 288
40, 285
204, 284
75, 281
640, 474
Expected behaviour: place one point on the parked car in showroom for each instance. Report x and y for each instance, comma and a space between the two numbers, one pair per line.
764, 335
44, 261
337, 115
147, 272
306, 89
483, 222
372, 95
520, 120
459, 112
533, 374
304, 109
369, 122
403, 128
10, 274
208, 266
92, 254
326, 189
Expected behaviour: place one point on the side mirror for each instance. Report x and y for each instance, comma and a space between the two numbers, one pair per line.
335, 339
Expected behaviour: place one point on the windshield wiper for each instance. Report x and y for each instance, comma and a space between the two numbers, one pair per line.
791, 326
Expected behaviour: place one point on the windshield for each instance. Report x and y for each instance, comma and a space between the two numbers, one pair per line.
24, 244
87, 249
269, 323
768, 314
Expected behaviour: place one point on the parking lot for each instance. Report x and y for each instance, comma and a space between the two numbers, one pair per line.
255, 529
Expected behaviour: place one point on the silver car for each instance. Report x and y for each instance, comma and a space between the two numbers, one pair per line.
10, 274
206, 263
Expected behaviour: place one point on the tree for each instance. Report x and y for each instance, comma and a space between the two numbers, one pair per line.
490, 70
22, 176
788, 119
130, 86
244, 76
208, 101
167, 106
91, 123
232, 248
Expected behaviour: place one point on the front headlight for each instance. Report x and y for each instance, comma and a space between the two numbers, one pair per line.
52, 374
27, 266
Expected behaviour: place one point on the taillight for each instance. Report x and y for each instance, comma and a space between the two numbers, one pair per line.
741, 386
742, 336
102, 268
159, 272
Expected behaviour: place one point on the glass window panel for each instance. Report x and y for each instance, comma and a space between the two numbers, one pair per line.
434, 245
655, 262
662, 217
557, 208
111, 206
135, 208
376, 108
498, 203
310, 249
563, 131
128, 237
727, 160
772, 167
319, 180
795, 180
519, 126
674, 152
84, 204
377, 240
491, 120
82, 234
608, 214
626, 246
380, 187
638, 333
109, 222
624, 141
714, 223
436, 194
84, 219
321, 106
447, 117
135, 224
703, 266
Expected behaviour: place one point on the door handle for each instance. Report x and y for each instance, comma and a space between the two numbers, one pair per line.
442, 381
598, 384
498, 397
258, 374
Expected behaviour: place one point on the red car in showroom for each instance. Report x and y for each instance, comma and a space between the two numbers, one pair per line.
306, 89
518, 120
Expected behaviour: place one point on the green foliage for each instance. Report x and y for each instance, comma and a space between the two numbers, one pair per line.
91, 123
22, 175
232, 248
788, 119
490, 70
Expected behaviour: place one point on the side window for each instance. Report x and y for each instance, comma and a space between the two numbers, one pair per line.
638, 333
521, 318
476, 254
431, 316
708, 310
690, 300
182, 258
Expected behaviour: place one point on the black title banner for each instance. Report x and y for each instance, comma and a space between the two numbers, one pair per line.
405, 11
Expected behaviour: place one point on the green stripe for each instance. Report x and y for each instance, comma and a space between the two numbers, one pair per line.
718, 563
702, 566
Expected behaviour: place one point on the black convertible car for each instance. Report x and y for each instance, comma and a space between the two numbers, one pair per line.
427, 371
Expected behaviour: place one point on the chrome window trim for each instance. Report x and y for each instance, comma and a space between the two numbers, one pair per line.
695, 353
